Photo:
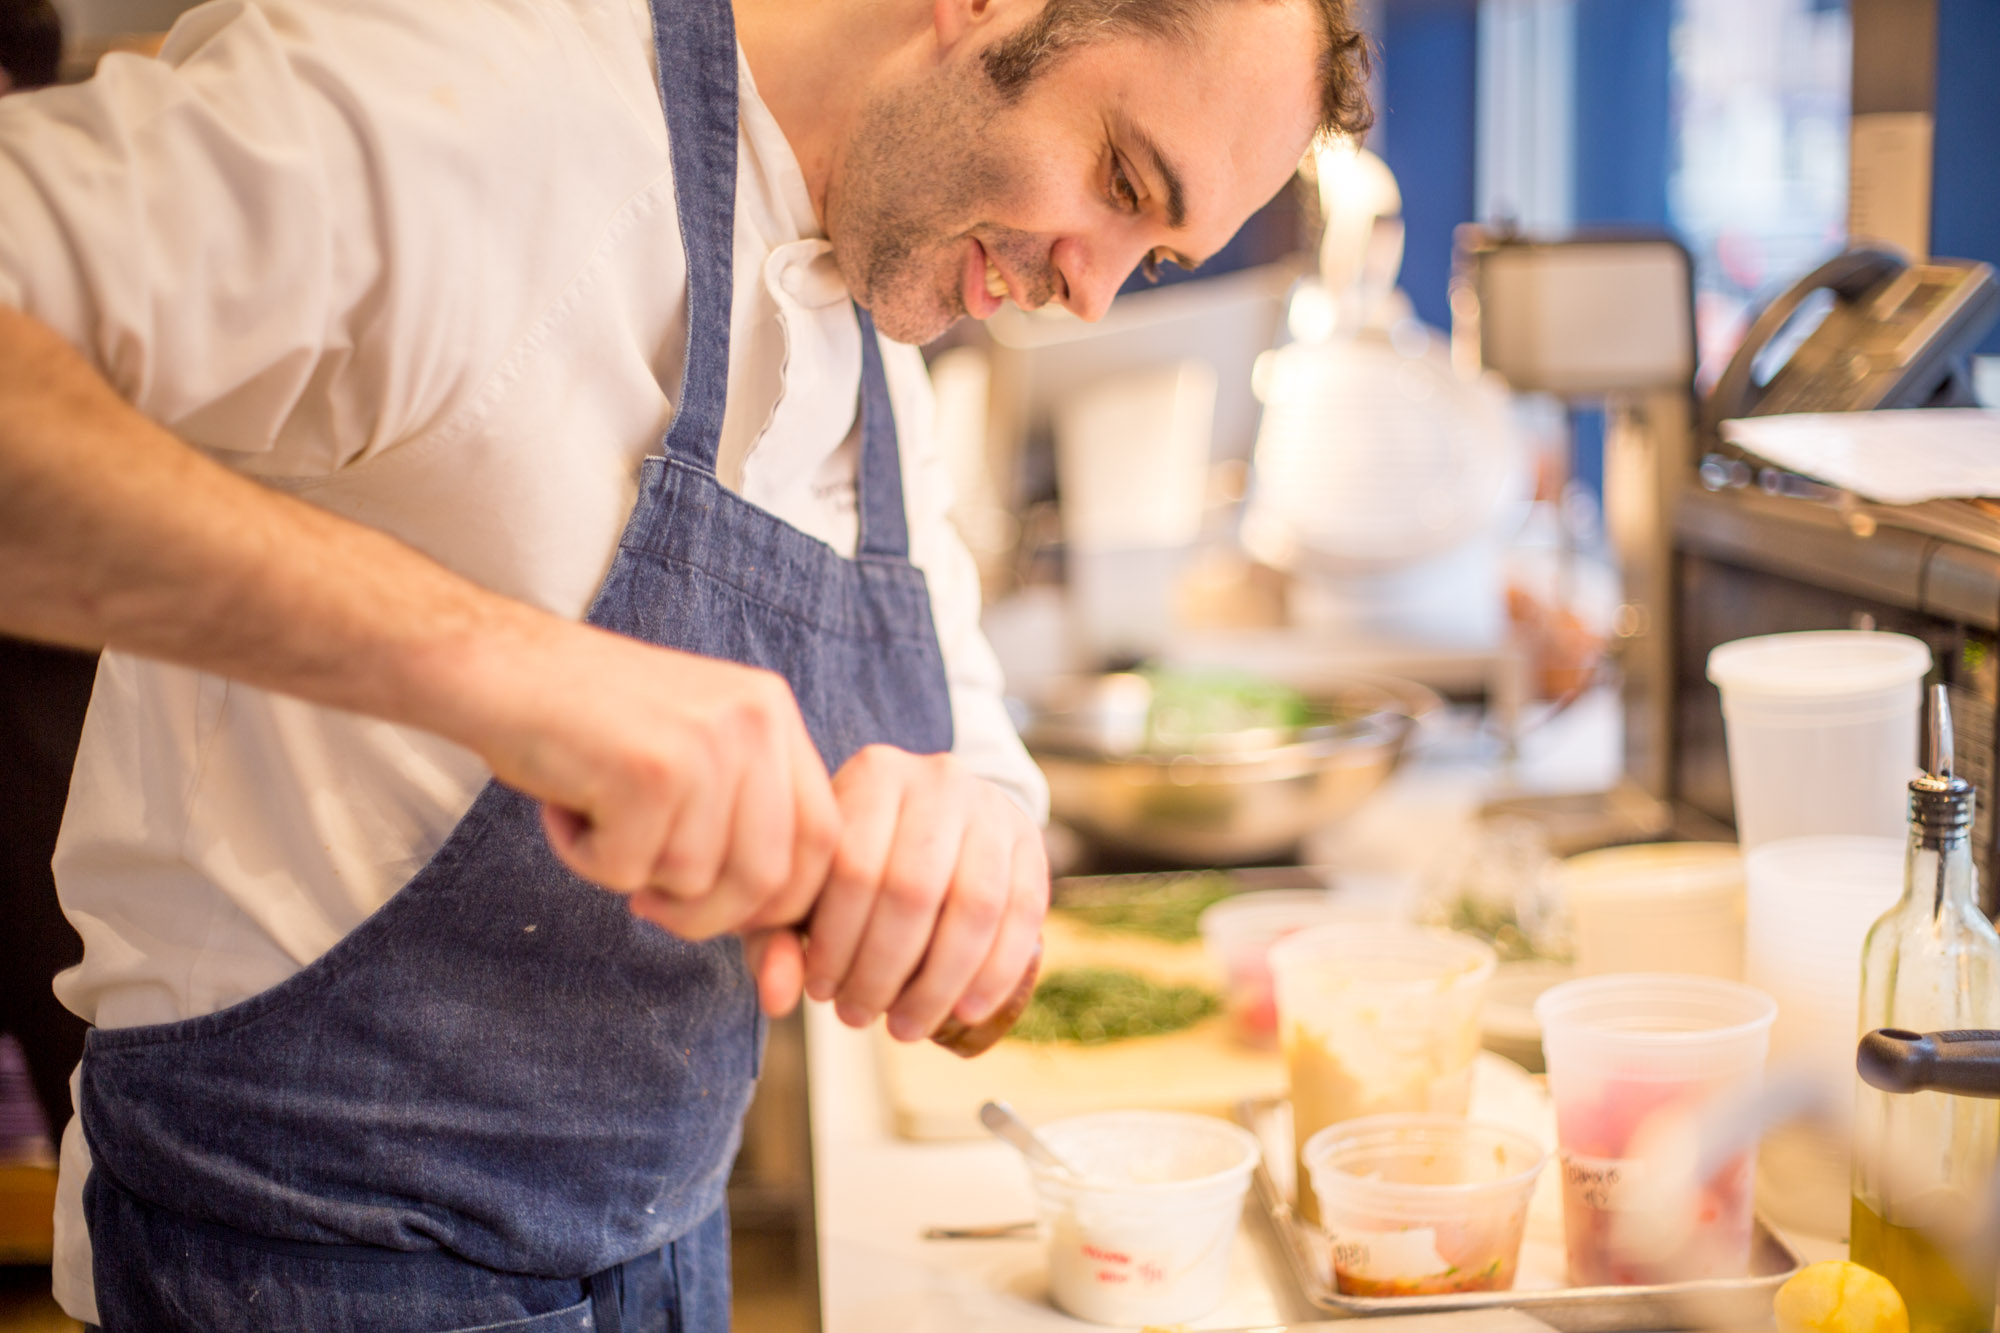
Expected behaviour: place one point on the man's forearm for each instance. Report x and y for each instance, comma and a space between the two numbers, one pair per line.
114, 533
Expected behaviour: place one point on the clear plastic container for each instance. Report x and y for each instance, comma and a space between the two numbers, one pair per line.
1376, 1018
1821, 729
1623, 1050
1238, 933
1144, 1238
1656, 907
1423, 1205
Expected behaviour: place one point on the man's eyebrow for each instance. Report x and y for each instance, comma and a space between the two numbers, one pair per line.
1171, 178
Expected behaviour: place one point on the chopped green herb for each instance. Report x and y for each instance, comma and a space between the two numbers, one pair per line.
1190, 706
1498, 926
1090, 1006
1165, 907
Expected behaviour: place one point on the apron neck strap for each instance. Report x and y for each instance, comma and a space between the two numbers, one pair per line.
879, 485
696, 44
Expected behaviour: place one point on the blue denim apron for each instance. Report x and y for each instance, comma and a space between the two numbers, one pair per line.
502, 1101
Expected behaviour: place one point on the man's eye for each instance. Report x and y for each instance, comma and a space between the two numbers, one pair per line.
1121, 186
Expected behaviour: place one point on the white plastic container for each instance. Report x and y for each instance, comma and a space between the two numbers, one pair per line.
1423, 1205
1238, 933
1821, 730
1145, 1238
1812, 901
1376, 1018
1657, 907
1623, 1049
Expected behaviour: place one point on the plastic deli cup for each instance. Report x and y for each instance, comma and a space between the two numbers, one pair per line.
1422, 1205
1821, 730
1238, 933
1144, 1238
1657, 907
1630, 1057
1376, 1018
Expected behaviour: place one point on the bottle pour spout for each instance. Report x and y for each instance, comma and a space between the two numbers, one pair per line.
1938, 750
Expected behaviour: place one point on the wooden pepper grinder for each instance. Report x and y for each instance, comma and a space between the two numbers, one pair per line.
969, 1039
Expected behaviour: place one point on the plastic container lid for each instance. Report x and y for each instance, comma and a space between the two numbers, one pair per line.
1653, 871
1820, 665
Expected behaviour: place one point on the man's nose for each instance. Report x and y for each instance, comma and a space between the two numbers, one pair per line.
1091, 276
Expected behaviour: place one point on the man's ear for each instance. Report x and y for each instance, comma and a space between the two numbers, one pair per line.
955, 20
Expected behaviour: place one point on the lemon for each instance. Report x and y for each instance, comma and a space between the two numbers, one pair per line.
1839, 1297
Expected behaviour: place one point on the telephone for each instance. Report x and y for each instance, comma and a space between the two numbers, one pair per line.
1896, 334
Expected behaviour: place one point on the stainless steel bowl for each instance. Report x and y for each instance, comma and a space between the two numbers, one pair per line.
1230, 798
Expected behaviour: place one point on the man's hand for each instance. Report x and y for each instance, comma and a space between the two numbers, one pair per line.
687, 782
932, 906
935, 899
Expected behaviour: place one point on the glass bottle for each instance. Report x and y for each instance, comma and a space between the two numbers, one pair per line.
1923, 1161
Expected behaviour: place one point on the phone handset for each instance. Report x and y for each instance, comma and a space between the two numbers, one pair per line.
1850, 276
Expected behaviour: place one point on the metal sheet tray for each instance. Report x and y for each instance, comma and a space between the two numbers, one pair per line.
1711, 1303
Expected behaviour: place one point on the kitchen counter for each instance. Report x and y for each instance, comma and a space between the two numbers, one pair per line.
876, 1193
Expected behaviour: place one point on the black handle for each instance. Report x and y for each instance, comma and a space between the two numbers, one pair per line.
1964, 1063
1849, 276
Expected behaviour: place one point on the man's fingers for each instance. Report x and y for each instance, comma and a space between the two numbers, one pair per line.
1014, 943
615, 846
777, 962
922, 858
869, 810
815, 837
690, 859
966, 929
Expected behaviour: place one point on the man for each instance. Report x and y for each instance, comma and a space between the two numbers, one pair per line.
335, 349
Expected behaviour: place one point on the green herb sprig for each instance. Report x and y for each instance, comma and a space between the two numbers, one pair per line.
1090, 1006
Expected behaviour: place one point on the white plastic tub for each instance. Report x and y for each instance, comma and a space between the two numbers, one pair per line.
1821, 729
1657, 907
1145, 1238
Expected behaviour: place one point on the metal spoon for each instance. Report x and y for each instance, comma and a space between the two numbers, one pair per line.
1005, 1124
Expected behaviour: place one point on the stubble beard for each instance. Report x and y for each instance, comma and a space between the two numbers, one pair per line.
921, 167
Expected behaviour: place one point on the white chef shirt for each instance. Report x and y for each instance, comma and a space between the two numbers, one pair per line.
417, 264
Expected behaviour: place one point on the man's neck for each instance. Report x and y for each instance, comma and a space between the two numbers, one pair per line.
815, 62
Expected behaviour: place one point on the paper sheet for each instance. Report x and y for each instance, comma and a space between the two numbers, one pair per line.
1902, 457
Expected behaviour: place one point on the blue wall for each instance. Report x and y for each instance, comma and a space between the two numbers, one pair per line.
1965, 193
1622, 129
1621, 147
1430, 63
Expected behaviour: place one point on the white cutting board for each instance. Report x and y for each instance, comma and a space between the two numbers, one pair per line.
933, 1094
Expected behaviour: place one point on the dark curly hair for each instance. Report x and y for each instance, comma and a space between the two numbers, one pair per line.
1064, 25
30, 42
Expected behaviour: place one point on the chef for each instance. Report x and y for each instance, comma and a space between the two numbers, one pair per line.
483, 435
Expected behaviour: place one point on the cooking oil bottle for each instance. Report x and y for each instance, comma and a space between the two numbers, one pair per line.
1924, 1161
